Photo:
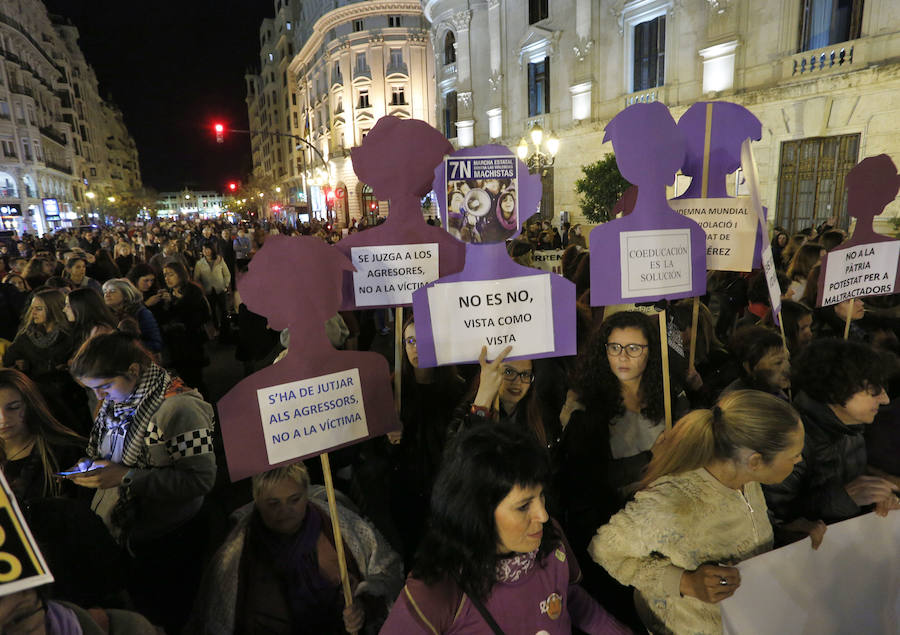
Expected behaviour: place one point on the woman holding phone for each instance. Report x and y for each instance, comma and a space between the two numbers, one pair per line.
151, 460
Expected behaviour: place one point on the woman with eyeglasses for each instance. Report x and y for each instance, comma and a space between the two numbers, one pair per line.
502, 393
608, 440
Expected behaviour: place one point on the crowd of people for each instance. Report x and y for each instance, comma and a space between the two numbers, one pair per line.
521, 496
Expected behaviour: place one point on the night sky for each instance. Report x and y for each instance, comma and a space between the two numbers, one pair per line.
173, 67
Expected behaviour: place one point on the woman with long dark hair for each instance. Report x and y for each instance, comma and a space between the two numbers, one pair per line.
88, 315
428, 398
183, 316
502, 392
492, 560
35, 444
43, 344
607, 444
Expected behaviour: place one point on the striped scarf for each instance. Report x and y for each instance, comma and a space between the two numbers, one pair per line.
131, 419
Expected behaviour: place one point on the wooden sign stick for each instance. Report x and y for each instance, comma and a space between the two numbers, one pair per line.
336, 526
849, 318
667, 390
695, 315
704, 190
398, 355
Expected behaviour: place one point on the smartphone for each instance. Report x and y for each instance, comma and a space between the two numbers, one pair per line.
70, 473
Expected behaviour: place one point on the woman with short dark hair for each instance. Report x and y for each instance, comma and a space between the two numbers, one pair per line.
492, 559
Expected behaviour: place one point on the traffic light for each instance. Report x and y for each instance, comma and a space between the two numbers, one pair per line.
220, 132
232, 186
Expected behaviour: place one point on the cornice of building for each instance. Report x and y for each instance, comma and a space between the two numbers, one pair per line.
346, 13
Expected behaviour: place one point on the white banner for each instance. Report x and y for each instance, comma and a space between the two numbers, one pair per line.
748, 166
548, 260
655, 261
851, 584
859, 271
493, 313
387, 275
312, 415
730, 225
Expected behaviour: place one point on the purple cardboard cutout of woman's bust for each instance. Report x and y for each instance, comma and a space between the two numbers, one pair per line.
397, 160
871, 185
730, 125
656, 252
490, 261
295, 283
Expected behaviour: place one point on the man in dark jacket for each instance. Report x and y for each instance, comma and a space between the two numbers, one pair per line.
840, 389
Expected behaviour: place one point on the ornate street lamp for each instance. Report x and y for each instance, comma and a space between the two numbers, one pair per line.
539, 160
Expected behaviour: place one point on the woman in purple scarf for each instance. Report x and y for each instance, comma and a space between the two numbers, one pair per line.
278, 570
493, 561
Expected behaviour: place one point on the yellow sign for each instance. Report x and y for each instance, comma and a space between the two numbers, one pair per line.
21, 564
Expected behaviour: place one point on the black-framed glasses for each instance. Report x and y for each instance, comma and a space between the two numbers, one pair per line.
632, 350
510, 374
410, 340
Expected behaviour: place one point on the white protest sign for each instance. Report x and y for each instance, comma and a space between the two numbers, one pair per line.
851, 584
311, 415
548, 260
388, 274
492, 313
655, 261
730, 225
748, 166
862, 270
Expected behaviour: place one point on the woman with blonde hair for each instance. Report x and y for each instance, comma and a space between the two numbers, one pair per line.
701, 510
43, 343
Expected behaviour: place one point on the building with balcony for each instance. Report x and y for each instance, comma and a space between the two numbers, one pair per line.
53, 124
189, 203
821, 75
345, 65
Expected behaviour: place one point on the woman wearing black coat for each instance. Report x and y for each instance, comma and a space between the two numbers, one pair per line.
184, 313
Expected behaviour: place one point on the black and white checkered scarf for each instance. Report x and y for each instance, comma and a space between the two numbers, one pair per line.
130, 418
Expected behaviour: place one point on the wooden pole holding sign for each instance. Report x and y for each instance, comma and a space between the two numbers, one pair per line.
398, 355
336, 526
695, 315
664, 345
704, 192
849, 318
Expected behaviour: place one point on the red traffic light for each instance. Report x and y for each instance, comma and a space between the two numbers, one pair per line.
232, 186
220, 132
372, 206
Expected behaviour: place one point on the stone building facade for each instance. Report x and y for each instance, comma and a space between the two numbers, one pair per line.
327, 79
59, 138
822, 76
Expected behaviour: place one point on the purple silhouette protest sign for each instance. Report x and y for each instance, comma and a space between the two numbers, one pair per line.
868, 263
653, 252
316, 399
493, 301
714, 132
397, 160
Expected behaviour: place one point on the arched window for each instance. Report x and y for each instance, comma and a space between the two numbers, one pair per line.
30, 190
449, 48
8, 185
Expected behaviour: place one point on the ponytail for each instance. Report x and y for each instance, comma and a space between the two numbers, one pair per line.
748, 419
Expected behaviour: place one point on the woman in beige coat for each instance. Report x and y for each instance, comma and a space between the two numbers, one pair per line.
700, 510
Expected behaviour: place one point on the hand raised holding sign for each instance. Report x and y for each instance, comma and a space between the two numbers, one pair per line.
491, 378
